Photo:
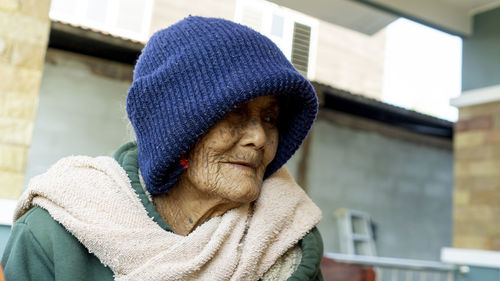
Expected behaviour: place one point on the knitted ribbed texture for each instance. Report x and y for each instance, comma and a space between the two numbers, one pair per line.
194, 72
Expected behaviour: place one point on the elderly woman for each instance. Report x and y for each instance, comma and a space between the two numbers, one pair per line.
217, 110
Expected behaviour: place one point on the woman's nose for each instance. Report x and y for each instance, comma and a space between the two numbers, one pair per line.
254, 134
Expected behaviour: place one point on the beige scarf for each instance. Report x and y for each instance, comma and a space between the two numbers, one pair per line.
93, 199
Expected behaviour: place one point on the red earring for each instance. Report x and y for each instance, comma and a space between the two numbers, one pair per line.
184, 162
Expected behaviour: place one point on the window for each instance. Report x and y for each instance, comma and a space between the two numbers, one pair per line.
125, 18
293, 32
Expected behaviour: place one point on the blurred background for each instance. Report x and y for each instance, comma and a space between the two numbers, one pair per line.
403, 160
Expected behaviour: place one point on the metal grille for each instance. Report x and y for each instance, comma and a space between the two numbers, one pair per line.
393, 269
398, 274
300, 47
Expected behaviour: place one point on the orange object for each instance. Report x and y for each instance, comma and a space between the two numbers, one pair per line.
1, 274
337, 271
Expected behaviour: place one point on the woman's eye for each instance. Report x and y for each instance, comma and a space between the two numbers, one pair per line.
270, 119
237, 109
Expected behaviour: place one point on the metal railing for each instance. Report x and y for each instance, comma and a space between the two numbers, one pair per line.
394, 269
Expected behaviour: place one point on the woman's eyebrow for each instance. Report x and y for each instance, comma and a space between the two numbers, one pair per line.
275, 107
274, 103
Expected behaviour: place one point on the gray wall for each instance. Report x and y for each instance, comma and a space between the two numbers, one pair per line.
406, 187
80, 112
4, 234
481, 52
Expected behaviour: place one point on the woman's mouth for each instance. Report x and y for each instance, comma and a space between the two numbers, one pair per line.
243, 166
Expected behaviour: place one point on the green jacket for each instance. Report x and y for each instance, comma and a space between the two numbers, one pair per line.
39, 248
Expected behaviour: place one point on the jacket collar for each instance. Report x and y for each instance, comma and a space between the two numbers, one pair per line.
127, 156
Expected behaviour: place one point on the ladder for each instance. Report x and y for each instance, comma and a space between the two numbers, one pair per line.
355, 232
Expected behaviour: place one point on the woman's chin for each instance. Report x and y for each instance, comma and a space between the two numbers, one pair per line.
245, 193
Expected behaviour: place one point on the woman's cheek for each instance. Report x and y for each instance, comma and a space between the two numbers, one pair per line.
271, 147
205, 168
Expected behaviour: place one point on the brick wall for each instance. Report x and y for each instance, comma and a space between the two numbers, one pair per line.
476, 213
350, 60
24, 30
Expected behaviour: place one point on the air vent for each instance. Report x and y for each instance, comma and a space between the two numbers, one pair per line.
294, 33
300, 47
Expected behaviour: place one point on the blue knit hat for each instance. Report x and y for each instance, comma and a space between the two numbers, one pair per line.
191, 74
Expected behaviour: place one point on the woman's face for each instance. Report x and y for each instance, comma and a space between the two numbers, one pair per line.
230, 160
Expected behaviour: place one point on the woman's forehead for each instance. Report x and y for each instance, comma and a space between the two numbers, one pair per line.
264, 102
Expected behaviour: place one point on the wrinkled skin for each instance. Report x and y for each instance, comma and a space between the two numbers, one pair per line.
226, 166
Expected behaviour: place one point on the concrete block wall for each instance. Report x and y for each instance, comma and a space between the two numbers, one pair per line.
24, 31
81, 109
405, 184
477, 178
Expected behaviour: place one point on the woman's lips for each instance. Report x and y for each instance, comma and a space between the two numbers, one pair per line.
242, 166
